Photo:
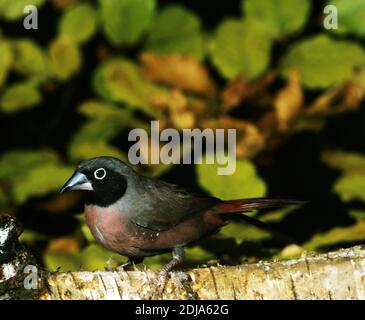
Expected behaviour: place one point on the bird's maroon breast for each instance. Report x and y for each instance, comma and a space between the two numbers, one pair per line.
111, 228
116, 231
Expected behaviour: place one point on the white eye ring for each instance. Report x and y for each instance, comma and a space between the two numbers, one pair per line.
97, 174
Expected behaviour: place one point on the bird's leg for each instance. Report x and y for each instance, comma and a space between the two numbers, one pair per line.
178, 255
157, 285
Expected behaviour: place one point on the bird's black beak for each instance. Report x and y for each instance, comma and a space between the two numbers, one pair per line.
78, 181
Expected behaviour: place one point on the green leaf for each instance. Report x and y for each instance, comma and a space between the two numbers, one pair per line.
352, 233
351, 16
314, 125
92, 140
6, 60
62, 261
32, 173
79, 22
279, 214
95, 257
97, 130
41, 181
246, 232
357, 214
19, 96
278, 17
16, 164
13, 10
121, 81
103, 111
324, 62
241, 47
176, 30
124, 21
87, 233
157, 262
84, 228
350, 187
97, 110
345, 161
64, 57
197, 255
243, 183
29, 59
243, 232
30, 236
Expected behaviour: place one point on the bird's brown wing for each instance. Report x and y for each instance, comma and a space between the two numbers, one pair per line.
168, 205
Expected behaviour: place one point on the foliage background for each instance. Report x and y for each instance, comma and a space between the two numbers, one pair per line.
73, 89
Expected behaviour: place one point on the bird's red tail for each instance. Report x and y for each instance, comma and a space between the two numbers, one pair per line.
246, 205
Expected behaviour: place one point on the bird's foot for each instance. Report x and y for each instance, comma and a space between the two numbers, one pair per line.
156, 286
162, 277
129, 265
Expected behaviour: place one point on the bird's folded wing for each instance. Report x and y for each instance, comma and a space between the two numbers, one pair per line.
169, 205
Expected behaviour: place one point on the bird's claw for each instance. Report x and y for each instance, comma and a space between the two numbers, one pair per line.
156, 285
123, 267
127, 266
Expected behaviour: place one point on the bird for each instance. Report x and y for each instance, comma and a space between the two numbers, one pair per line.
138, 216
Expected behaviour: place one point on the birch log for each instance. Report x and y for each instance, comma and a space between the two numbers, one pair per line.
335, 275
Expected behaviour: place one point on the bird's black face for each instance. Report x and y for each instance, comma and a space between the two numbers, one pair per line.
104, 179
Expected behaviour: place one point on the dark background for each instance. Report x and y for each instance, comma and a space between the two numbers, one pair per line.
294, 168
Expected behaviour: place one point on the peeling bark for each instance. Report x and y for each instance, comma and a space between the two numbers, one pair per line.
335, 275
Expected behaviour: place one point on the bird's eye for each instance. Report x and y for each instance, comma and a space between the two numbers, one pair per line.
100, 173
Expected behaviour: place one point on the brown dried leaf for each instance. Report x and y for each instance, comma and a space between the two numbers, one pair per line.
324, 101
341, 98
250, 140
179, 71
235, 92
239, 90
353, 95
181, 110
160, 100
289, 101
64, 244
181, 116
60, 203
63, 4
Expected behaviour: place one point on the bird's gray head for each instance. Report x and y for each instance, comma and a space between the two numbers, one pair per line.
104, 178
